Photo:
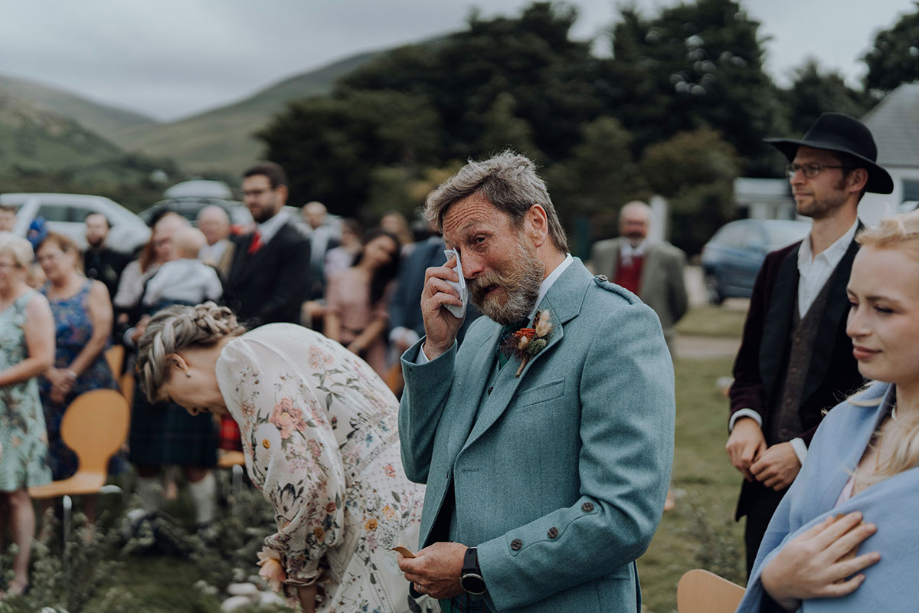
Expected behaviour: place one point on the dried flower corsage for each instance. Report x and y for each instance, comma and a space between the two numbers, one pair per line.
271, 569
527, 342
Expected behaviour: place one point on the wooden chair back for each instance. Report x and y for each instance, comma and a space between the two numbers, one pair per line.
114, 355
700, 591
95, 426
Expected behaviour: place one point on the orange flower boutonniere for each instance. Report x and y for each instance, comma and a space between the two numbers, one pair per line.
527, 342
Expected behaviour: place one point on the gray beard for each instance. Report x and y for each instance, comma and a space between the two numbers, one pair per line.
521, 287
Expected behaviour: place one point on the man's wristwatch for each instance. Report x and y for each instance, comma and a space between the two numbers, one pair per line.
471, 576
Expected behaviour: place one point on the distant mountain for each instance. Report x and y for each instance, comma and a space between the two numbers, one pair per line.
221, 139
102, 119
34, 139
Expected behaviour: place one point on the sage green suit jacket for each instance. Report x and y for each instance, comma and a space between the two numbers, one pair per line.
559, 474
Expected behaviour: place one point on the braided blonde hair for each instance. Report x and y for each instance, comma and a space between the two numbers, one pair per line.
899, 233
176, 328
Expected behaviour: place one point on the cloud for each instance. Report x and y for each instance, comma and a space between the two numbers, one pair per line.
175, 57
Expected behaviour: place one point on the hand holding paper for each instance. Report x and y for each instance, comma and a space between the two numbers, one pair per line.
459, 286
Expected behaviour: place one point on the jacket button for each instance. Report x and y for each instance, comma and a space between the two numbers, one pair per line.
603, 277
587, 507
489, 389
516, 544
553, 532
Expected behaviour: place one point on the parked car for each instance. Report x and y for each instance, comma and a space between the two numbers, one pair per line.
65, 213
734, 255
189, 207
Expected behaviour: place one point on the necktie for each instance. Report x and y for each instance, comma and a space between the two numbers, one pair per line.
506, 332
256, 243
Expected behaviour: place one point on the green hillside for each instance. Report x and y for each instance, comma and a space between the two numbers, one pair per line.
221, 139
33, 139
100, 118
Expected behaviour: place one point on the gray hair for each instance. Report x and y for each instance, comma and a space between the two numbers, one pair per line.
17, 248
508, 181
176, 328
637, 205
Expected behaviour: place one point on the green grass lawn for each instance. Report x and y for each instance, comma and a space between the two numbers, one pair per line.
709, 320
700, 532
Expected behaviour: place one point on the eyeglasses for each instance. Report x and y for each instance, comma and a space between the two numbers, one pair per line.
810, 170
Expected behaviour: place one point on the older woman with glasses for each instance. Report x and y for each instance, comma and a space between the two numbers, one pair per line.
26, 351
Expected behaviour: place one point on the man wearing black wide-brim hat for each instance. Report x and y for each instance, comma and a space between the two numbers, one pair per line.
795, 359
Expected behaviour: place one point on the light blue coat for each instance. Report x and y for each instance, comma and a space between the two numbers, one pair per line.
890, 585
560, 475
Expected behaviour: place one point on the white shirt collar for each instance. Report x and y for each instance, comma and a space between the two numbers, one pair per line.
550, 280
832, 254
270, 227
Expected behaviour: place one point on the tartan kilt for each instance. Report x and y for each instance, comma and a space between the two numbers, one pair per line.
165, 433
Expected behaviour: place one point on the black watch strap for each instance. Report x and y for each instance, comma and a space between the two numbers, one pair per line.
471, 575
471, 561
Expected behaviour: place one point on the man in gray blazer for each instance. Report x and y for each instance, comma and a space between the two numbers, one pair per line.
654, 271
547, 462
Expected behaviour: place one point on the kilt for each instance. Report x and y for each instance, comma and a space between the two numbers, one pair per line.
463, 604
165, 433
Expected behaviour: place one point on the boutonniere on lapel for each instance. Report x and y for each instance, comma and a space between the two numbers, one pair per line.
525, 343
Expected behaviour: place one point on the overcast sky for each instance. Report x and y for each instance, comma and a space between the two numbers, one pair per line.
173, 58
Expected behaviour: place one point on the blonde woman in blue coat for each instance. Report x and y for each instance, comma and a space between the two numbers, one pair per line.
844, 538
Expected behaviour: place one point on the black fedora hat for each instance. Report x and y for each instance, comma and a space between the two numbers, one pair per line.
838, 132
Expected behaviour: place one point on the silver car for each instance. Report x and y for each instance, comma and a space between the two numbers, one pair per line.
64, 213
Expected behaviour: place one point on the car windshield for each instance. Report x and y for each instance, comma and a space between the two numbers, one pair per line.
781, 233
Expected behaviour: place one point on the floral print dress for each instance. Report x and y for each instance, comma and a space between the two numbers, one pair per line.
320, 436
23, 460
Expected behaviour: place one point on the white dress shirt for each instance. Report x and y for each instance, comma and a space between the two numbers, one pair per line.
815, 271
268, 228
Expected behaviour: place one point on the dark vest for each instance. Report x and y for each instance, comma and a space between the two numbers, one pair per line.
785, 418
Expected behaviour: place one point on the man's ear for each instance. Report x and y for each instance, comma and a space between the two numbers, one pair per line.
537, 224
857, 179
283, 193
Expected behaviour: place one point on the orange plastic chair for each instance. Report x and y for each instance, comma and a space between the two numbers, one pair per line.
700, 591
95, 426
114, 355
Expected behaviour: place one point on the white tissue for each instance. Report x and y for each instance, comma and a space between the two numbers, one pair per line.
459, 286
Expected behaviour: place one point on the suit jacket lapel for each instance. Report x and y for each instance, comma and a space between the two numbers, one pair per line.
647, 268
479, 376
563, 301
614, 259
251, 262
774, 347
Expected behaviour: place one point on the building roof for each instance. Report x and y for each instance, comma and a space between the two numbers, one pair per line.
895, 126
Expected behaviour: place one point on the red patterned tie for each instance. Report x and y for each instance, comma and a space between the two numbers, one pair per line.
256, 243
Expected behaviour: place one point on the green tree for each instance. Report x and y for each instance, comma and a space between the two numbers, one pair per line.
814, 92
895, 57
599, 177
695, 65
501, 129
469, 78
695, 171
332, 145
